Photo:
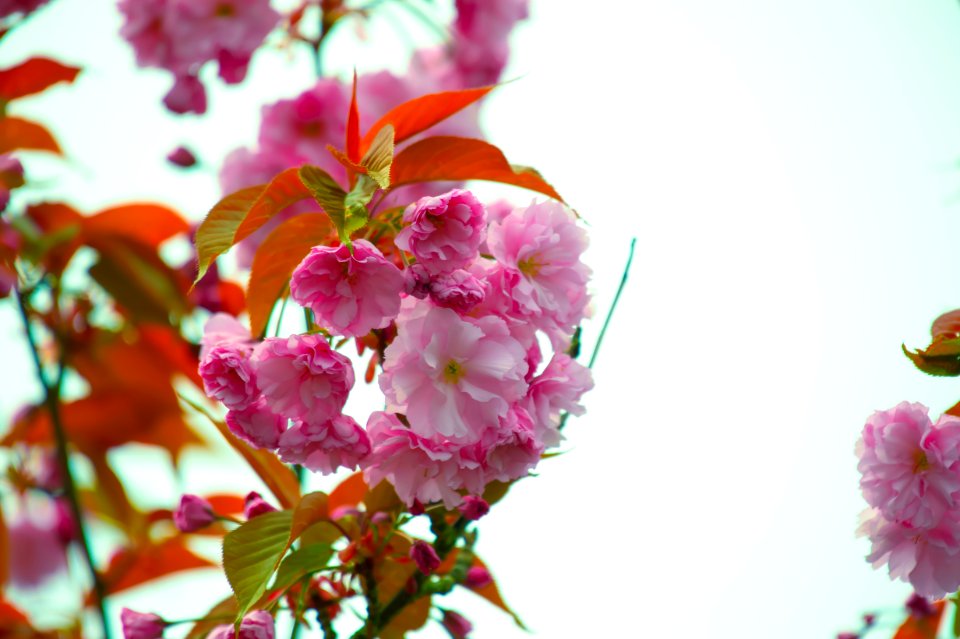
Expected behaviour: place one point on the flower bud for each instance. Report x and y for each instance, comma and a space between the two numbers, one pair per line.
477, 577
919, 607
424, 556
456, 624
193, 513
255, 505
473, 508
141, 625
255, 625
182, 157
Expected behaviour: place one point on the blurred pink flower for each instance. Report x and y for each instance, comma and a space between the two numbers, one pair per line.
193, 513
257, 425
37, 550
349, 292
302, 378
480, 37
326, 446
9, 7
141, 625
444, 233
187, 95
255, 625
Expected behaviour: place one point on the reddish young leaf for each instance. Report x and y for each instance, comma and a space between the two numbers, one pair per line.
922, 627
353, 126
410, 618
947, 326
226, 504
448, 158
419, 114
491, 593
141, 284
60, 225
149, 224
19, 134
350, 492
110, 493
4, 550
216, 232
134, 566
33, 76
311, 509
283, 190
275, 260
10, 616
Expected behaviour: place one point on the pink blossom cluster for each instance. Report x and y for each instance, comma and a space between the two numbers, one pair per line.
910, 469
183, 35
468, 397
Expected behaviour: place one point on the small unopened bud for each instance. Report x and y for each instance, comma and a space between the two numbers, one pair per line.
869, 619
255, 505
182, 157
919, 607
848, 635
424, 556
477, 577
473, 508
193, 513
456, 624
141, 625
66, 528
417, 508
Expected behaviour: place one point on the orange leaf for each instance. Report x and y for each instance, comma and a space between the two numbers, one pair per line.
922, 627
353, 125
149, 224
226, 504
33, 76
410, 618
491, 593
216, 232
275, 260
16, 133
419, 114
311, 509
53, 219
448, 158
349, 492
283, 190
131, 567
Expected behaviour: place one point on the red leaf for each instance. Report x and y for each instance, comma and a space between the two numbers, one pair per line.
447, 158
353, 126
17, 134
275, 260
283, 190
421, 113
226, 504
947, 326
149, 224
349, 492
53, 219
33, 76
134, 566
922, 627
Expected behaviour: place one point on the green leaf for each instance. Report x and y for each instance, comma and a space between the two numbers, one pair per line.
941, 358
326, 192
251, 554
379, 157
356, 202
311, 509
301, 563
215, 235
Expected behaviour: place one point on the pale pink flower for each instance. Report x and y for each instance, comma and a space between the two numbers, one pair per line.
444, 233
451, 376
257, 425
421, 470
37, 550
557, 389
193, 513
325, 447
187, 95
927, 558
540, 277
228, 376
302, 378
480, 37
512, 450
910, 467
223, 329
141, 625
255, 625
349, 292
458, 290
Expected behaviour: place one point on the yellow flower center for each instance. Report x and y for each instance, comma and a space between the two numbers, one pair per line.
529, 266
920, 462
452, 372
224, 10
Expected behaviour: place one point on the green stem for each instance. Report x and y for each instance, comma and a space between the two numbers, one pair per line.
52, 401
326, 625
613, 306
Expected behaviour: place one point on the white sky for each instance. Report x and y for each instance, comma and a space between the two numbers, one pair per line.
790, 172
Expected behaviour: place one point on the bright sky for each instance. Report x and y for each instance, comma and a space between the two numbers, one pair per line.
790, 173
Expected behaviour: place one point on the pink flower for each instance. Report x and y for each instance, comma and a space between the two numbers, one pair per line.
350, 293
421, 470
254, 505
480, 37
141, 625
558, 388
458, 290
257, 425
228, 376
424, 556
512, 450
326, 446
456, 624
302, 378
255, 625
37, 550
929, 559
910, 467
473, 507
187, 95
223, 329
444, 233
540, 276
416, 281
478, 577
193, 513
451, 376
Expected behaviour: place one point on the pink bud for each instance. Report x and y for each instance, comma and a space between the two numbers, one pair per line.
456, 624
848, 635
919, 607
473, 507
478, 577
255, 625
186, 96
416, 281
424, 556
141, 625
193, 513
869, 619
182, 157
255, 505
416, 508
66, 529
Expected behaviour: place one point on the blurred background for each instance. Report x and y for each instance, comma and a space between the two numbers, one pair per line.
791, 172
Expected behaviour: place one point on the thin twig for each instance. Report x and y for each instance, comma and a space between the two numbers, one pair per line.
52, 400
613, 306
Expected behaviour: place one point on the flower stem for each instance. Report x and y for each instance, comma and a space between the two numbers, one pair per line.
613, 306
51, 392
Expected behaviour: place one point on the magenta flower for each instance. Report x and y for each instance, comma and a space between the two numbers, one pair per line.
451, 376
929, 559
540, 277
424, 555
257, 425
255, 625
326, 446
193, 513
254, 505
227, 375
910, 467
350, 293
444, 233
302, 378
557, 389
458, 290
421, 470
141, 625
